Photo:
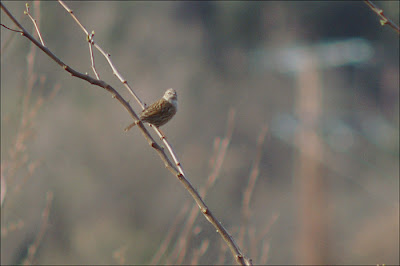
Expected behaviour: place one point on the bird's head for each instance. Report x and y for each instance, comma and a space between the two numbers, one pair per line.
171, 96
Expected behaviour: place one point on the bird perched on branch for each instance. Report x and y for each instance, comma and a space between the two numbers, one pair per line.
161, 111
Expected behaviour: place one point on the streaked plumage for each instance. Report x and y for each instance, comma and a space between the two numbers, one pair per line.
162, 110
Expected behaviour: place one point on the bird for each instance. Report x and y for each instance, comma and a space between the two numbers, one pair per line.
161, 111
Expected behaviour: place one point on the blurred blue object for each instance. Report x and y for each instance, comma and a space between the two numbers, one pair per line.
329, 54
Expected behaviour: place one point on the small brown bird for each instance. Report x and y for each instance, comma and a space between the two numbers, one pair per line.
161, 111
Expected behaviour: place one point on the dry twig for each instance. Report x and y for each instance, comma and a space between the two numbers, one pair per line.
255, 169
220, 157
216, 159
239, 257
45, 220
384, 20
27, 12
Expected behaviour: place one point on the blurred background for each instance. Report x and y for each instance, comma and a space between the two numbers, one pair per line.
322, 77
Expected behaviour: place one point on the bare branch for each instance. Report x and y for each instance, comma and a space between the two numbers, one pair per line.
185, 236
19, 31
106, 55
34, 23
90, 41
239, 257
125, 82
384, 20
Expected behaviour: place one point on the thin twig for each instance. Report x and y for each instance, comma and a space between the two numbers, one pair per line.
185, 236
260, 239
125, 82
265, 252
253, 244
183, 211
239, 257
167, 240
222, 254
90, 42
106, 55
384, 20
30, 58
267, 228
34, 23
3, 186
45, 221
8, 41
200, 252
221, 155
18, 157
251, 185
19, 31
214, 155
